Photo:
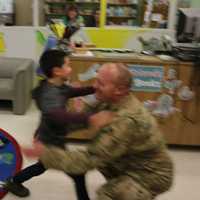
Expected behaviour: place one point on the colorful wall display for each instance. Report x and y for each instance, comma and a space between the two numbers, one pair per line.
147, 78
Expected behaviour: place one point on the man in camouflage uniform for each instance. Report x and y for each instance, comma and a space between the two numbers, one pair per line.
129, 151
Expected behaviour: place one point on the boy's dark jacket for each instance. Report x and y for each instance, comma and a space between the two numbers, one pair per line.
55, 121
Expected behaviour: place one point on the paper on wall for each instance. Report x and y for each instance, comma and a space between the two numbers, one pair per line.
2, 43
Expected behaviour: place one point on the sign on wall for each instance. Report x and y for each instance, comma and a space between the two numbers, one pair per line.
147, 78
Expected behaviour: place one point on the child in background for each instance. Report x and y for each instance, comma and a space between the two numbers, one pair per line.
73, 18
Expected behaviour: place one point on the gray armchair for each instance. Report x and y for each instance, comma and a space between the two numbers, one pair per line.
16, 82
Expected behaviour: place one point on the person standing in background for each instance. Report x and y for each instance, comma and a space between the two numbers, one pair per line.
73, 18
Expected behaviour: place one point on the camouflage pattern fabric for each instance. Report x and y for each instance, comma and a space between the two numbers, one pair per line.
129, 152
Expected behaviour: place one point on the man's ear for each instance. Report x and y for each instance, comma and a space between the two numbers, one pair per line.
121, 90
56, 71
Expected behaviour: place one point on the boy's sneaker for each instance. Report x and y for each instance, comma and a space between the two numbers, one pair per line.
16, 188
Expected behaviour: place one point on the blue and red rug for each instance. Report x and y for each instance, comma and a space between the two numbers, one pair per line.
10, 158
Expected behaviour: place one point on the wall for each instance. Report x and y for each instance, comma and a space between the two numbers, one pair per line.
195, 3
23, 9
124, 38
20, 42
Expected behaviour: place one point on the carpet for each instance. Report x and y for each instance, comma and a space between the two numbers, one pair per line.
10, 158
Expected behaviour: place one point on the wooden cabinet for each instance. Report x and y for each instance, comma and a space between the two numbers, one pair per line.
180, 128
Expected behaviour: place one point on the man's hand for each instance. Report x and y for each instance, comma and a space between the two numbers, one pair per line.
78, 104
101, 119
76, 84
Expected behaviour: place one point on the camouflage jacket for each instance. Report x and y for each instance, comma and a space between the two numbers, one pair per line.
131, 145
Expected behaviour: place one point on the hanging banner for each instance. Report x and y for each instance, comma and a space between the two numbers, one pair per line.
147, 78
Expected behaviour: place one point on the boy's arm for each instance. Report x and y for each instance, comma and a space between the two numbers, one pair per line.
62, 117
80, 91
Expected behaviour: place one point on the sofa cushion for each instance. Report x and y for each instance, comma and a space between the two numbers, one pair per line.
9, 65
6, 88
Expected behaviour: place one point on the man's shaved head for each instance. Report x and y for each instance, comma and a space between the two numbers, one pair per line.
118, 73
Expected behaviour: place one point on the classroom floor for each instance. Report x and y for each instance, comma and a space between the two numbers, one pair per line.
56, 185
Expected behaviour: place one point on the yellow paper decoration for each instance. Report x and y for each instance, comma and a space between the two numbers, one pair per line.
2, 43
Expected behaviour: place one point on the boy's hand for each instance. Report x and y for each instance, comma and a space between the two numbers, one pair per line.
35, 151
101, 119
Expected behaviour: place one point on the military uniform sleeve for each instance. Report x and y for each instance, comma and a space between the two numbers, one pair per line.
112, 142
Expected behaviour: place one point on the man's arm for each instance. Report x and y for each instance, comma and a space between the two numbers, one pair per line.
111, 142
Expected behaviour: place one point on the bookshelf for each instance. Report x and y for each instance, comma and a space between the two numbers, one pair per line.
123, 12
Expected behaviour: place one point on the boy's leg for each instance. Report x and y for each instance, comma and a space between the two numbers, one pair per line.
81, 190
14, 184
29, 172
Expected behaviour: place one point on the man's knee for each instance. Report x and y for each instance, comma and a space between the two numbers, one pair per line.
123, 188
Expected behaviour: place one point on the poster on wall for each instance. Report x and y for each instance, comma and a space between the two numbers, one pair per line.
147, 78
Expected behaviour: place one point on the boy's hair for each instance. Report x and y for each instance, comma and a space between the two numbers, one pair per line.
50, 59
